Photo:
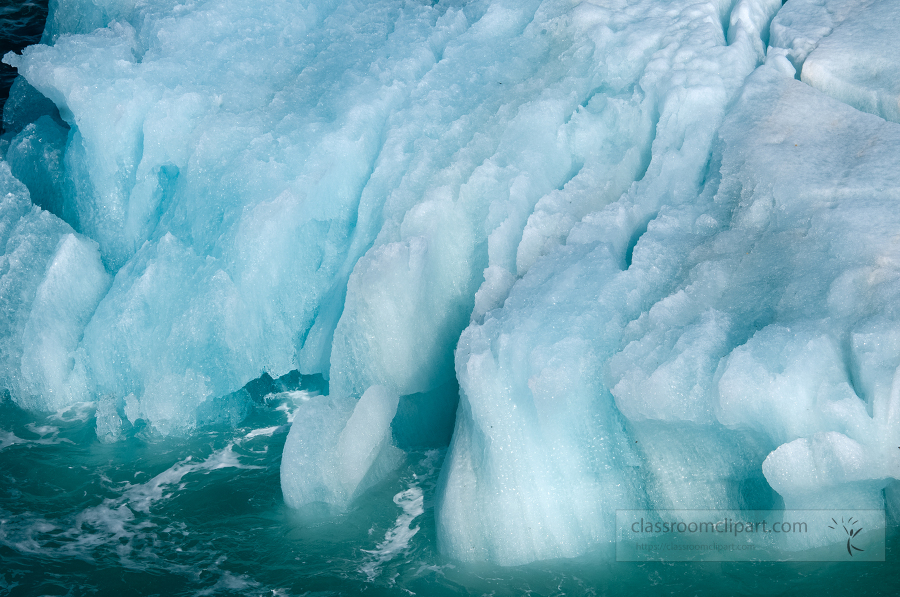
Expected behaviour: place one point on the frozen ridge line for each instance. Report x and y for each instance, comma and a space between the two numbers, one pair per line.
654, 268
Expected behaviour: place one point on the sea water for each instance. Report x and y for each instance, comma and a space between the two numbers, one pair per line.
21, 24
204, 515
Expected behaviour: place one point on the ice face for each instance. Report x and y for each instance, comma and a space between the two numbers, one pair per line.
742, 336
51, 280
654, 268
535, 404
323, 194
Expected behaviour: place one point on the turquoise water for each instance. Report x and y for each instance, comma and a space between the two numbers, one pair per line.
204, 515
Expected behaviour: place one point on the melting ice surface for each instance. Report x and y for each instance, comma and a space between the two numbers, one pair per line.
599, 255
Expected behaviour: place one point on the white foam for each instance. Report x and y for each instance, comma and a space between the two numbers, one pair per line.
127, 528
292, 400
267, 431
411, 501
47, 436
397, 539
79, 411
140, 497
8, 438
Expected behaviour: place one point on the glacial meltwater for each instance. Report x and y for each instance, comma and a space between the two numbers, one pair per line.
486, 297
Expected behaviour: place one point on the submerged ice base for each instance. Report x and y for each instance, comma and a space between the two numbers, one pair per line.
655, 269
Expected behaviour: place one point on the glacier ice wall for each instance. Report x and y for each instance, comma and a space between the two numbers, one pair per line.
654, 267
309, 187
745, 343
535, 404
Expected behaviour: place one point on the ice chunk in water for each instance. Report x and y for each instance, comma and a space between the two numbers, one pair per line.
337, 448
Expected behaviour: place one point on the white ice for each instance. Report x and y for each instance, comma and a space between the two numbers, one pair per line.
339, 448
316, 187
722, 331
857, 63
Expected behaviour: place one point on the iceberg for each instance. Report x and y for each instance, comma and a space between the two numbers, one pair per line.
52, 281
614, 254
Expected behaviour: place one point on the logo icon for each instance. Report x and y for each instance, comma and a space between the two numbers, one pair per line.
851, 533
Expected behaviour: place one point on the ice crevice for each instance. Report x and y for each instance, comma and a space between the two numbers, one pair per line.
615, 254
845, 49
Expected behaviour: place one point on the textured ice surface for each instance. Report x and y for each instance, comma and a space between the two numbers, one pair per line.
541, 455
318, 187
338, 448
51, 280
653, 272
749, 330
858, 64
801, 24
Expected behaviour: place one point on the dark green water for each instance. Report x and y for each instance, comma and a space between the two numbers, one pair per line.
21, 24
204, 516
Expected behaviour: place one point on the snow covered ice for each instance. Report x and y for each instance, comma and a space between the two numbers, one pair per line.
856, 63
648, 247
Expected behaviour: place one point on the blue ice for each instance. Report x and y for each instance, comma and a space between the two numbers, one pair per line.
649, 247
